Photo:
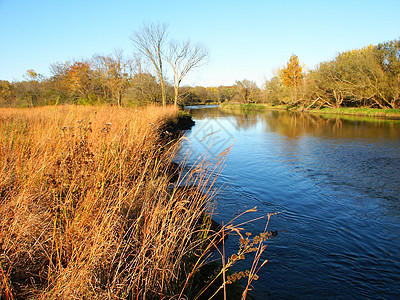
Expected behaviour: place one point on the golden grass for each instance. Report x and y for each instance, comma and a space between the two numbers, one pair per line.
88, 211
86, 207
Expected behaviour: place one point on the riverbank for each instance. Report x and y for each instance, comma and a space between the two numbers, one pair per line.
87, 206
354, 111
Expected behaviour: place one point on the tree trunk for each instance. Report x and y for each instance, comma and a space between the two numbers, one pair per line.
120, 98
164, 101
176, 89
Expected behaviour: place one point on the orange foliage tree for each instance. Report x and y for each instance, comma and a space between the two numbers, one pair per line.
79, 78
292, 74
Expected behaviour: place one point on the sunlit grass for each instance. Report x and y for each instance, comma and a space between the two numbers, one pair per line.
88, 210
356, 111
362, 111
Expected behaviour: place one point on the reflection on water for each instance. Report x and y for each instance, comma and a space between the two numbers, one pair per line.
294, 124
336, 179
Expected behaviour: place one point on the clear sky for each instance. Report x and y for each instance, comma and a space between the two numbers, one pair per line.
247, 39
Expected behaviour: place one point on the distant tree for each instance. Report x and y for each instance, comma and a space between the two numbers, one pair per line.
7, 93
143, 89
388, 56
184, 57
99, 65
361, 79
31, 89
292, 74
113, 73
274, 91
31, 75
200, 93
150, 41
60, 81
226, 93
79, 78
212, 94
247, 90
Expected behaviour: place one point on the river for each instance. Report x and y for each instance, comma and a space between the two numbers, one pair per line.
336, 182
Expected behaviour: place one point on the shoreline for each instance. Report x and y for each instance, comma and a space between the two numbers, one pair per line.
390, 114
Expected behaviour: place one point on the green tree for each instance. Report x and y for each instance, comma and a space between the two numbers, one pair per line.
361, 78
388, 57
226, 93
274, 91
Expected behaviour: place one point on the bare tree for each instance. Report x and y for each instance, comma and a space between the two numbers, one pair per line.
112, 73
184, 57
100, 69
150, 40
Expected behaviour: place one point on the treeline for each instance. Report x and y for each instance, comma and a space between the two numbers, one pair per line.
97, 81
369, 77
101, 79
366, 77
113, 78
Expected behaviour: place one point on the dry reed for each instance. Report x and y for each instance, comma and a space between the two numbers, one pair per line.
88, 210
86, 204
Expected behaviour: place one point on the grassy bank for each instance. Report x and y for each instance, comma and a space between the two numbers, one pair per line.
355, 111
88, 210
361, 111
85, 205
251, 107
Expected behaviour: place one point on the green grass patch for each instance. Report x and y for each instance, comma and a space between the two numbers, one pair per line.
354, 111
250, 106
361, 111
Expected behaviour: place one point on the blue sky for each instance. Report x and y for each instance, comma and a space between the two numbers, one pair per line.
246, 39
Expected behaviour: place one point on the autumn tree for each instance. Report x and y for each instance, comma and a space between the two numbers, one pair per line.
183, 57
31, 89
247, 90
100, 76
150, 41
143, 89
60, 82
292, 75
7, 94
113, 73
79, 78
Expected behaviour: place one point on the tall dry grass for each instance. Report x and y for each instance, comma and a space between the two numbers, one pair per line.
87, 209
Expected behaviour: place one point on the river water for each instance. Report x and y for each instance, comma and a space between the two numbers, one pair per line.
336, 182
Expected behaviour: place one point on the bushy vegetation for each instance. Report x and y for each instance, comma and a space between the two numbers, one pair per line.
367, 77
